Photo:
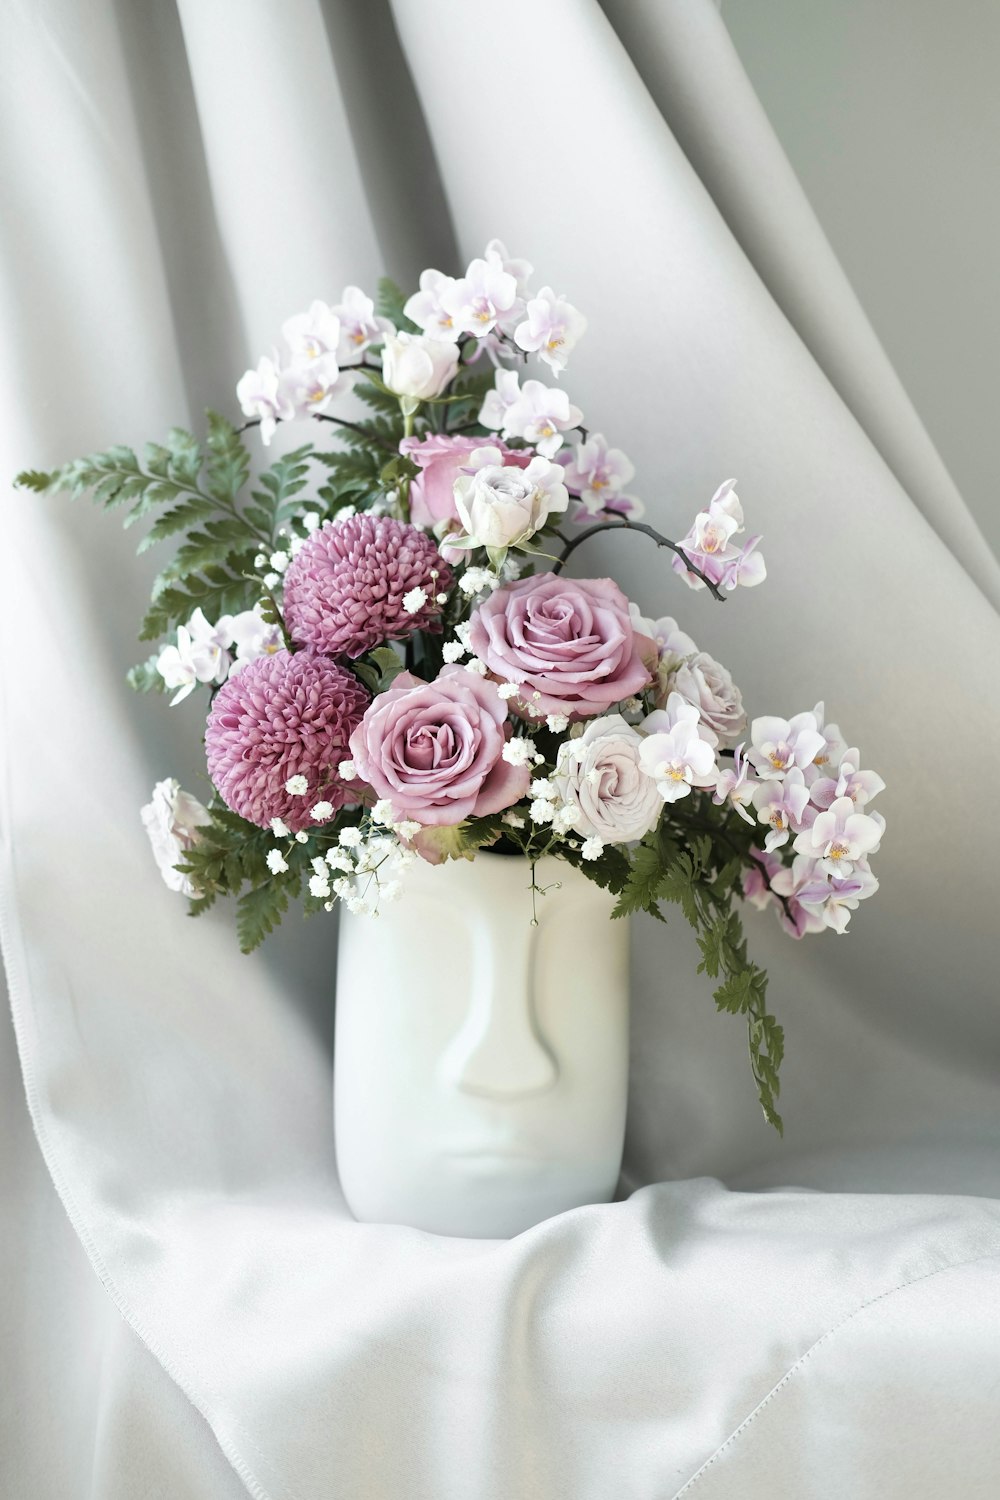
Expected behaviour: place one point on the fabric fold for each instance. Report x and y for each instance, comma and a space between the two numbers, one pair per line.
684, 56
181, 1094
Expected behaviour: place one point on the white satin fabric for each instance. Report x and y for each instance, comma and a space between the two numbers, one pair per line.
814, 1317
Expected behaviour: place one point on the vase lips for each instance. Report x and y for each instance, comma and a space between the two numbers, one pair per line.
495, 1147
491, 1162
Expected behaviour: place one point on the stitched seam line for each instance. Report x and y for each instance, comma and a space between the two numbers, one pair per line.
793, 1369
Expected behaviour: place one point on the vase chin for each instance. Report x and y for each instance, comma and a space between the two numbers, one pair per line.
481, 1057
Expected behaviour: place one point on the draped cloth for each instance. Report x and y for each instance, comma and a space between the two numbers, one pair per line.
200, 1315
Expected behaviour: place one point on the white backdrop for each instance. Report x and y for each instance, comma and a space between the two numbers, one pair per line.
176, 181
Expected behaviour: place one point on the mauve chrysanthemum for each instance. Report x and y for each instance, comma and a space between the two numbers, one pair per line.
284, 715
345, 588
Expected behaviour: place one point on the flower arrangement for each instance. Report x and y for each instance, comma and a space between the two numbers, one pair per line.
397, 666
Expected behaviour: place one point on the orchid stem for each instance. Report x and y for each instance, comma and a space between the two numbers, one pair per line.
322, 416
660, 540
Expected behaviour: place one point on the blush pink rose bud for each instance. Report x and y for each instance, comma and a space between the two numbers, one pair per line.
433, 750
567, 642
440, 460
501, 505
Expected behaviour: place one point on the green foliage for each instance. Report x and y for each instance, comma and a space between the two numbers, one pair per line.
259, 911
642, 885
144, 678
389, 304
354, 477
227, 464
693, 860
219, 590
466, 393
378, 669
369, 464
397, 471
231, 856
610, 870
276, 498
463, 839
198, 493
178, 518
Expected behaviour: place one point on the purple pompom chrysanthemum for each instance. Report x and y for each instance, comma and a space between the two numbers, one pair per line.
283, 715
345, 588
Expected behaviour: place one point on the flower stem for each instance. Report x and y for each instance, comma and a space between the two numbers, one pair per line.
660, 540
369, 437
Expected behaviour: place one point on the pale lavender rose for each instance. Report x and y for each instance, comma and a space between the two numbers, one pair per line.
173, 820
434, 750
707, 684
599, 774
568, 643
440, 460
672, 645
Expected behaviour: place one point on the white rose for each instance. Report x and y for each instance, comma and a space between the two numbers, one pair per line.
501, 505
707, 684
599, 774
416, 366
172, 820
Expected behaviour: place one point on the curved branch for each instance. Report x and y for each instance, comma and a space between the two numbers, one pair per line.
322, 416
661, 541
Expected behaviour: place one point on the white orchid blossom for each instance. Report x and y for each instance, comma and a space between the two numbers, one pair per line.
551, 329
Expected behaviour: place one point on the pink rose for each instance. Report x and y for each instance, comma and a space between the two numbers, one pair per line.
434, 749
441, 460
568, 642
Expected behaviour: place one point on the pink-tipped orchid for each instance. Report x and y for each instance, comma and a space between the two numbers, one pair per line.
780, 805
736, 787
840, 837
551, 329
776, 745
709, 545
598, 473
860, 786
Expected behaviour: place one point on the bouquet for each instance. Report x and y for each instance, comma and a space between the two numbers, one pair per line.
397, 666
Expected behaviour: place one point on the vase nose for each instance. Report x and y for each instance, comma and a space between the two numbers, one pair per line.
497, 1052
495, 1064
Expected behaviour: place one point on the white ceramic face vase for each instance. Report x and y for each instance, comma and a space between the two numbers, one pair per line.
481, 1063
